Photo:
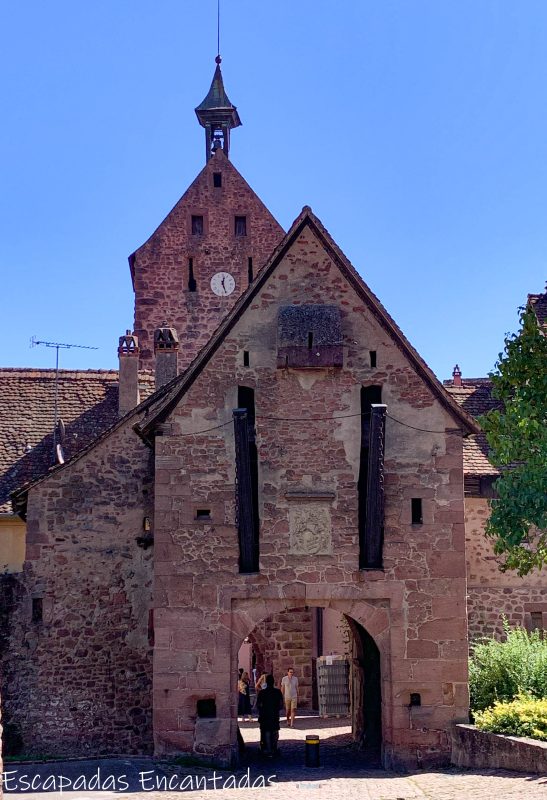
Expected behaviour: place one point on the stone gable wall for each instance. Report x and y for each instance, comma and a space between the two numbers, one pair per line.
414, 608
161, 264
78, 682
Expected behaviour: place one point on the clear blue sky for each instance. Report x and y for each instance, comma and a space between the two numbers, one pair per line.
415, 129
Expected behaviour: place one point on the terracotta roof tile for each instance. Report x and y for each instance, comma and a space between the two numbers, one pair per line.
539, 304
87, 405
475, 395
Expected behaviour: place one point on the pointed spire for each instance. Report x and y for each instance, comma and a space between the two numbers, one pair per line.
217, 115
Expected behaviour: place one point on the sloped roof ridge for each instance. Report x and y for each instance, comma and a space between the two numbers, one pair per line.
212, 164
19, 495
65, 373
306, 216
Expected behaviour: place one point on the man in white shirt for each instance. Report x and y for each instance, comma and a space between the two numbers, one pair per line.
289, 688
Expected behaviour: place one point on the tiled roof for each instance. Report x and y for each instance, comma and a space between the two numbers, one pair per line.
539, 304
87, 405
475, 395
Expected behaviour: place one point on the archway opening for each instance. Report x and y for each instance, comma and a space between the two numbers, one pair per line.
337, 663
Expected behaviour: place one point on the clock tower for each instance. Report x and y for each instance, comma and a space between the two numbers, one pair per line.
207, 250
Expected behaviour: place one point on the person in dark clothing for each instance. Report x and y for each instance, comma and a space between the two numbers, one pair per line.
269, 703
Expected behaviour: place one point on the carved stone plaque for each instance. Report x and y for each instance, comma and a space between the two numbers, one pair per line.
310, 530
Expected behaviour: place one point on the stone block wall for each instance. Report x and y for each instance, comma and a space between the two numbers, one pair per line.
286, 640
492, 594
76, 655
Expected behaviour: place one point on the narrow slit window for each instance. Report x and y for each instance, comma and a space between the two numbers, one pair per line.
37, 609
240, 226
250, 274
417, 514
217, 179
373, 358
245, 358
197, 225
151, 627
203, 514
310, 340
192, 285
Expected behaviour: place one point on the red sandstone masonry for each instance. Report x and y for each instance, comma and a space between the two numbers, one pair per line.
79, 682
160, 266
422, 644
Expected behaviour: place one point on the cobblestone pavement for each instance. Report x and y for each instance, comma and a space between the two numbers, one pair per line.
344, 773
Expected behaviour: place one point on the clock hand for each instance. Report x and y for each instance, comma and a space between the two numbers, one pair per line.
222, 281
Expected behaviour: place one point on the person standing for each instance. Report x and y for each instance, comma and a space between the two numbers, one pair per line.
244, 697
269, 703
289, 688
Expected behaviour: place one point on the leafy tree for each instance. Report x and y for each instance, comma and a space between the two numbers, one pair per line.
517, 435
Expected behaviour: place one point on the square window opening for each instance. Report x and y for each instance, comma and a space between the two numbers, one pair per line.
206, 708
203, 514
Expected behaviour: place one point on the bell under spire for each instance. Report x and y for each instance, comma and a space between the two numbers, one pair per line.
217, 115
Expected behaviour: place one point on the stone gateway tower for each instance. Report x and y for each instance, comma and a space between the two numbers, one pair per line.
295, 454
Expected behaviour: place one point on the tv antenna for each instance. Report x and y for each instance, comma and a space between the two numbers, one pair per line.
58, 455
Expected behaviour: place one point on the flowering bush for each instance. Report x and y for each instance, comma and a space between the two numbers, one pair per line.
524, 716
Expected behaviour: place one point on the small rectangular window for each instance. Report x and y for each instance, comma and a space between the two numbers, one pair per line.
203, 514
206, 708
240, 226
217, 179
197, 225
373, 358
245, 358
192, 285
536, 621
417, 516
37, 609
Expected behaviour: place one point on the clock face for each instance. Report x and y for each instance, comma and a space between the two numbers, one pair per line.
223, 284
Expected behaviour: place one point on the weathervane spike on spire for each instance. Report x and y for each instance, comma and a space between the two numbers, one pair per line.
216, 113
218, 32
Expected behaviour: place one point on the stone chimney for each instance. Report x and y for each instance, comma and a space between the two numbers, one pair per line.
166, 350
128, 353
456, 376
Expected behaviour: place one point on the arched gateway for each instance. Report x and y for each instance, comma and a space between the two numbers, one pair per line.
368, 656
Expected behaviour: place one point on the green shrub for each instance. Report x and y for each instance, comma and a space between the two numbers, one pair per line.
525, 716
502, 670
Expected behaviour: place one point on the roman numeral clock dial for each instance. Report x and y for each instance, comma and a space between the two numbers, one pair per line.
223, 284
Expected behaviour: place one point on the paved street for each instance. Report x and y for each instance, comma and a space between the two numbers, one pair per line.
342, 775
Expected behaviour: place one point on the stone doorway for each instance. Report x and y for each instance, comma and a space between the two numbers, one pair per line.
294, 637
